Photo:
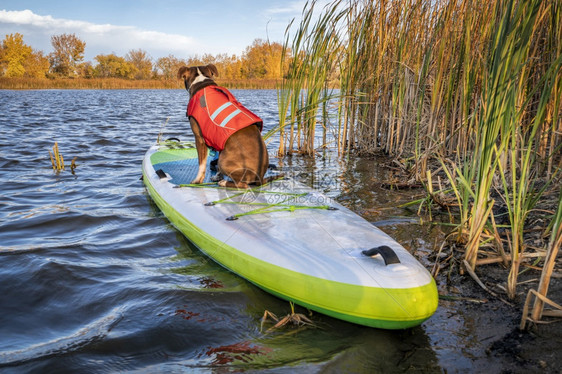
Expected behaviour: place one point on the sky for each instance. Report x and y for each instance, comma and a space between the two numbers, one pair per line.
182, 28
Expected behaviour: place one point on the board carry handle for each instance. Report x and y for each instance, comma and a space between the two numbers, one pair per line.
173, 140
387, 253
161, 174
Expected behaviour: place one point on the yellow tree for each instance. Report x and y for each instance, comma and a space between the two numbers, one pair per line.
142, 63
263, 60
112, 66
13, 55
229, 66
197, 60
194, 61
86, 70
168, 67
36, 65
67, 55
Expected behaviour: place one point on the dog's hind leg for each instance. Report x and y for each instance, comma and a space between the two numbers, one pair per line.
270, 179
240, 177
231, 184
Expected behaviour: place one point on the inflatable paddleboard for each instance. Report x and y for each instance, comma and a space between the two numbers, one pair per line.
293, 242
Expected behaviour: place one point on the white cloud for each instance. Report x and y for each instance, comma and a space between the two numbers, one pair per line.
99, 38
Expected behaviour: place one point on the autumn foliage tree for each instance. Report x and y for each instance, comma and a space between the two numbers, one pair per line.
168, 66
142, 63
19, 60
36, 65
13, 55
230, 67
67, 55
263, 60
112, 66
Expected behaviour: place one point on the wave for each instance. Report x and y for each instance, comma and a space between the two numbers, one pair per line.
91, 333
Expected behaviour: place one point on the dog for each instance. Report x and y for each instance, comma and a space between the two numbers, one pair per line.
219, 121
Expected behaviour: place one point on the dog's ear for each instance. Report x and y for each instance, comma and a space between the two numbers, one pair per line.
212, 70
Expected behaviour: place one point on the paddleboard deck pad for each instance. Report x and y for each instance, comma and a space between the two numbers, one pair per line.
293, 242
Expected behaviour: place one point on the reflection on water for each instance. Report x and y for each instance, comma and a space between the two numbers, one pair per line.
95, 279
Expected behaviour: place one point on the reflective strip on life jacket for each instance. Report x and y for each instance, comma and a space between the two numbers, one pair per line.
220, 109
229, 117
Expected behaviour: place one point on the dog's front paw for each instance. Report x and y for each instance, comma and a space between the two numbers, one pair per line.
222, 183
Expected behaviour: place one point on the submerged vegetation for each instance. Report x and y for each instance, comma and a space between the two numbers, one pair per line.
466, 93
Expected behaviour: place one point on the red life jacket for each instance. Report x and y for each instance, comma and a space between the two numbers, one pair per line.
219, 115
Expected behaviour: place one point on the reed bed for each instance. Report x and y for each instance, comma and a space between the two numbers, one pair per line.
116, 83
467, 89
83, 83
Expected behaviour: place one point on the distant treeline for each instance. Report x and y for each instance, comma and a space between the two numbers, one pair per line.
23, 67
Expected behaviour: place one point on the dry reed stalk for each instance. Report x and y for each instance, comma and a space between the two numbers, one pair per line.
543, 300
553, 249
57, 160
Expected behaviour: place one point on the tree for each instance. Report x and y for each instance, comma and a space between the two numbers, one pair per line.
168, 67
195, 61
263, 60
86, 70
229, 67
68, 54
36, 65
112, 66
142, 63
13, 55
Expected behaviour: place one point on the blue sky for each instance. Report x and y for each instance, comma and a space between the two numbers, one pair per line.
180, 28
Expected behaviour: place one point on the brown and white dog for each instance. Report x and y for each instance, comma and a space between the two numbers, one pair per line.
244, 158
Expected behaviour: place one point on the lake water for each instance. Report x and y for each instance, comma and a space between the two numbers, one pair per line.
94, 279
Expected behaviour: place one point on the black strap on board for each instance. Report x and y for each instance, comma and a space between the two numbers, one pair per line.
387, 253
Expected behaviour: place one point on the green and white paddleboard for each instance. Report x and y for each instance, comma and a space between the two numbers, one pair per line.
293, 242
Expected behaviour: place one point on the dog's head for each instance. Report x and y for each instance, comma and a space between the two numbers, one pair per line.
196, 74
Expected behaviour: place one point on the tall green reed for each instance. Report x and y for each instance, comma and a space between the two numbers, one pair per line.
304, 92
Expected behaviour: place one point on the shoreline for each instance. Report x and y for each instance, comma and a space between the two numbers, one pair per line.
122, 84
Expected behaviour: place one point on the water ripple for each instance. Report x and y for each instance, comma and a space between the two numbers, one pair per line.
89, 334
93, 278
